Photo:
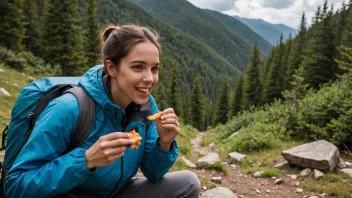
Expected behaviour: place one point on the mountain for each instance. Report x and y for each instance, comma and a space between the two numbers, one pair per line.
193, 56
270, 32
194, 21
241, 29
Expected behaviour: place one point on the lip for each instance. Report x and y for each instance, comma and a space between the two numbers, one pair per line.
143, 94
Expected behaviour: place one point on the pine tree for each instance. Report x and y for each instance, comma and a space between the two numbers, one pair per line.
160, 97
253, 87
174, 97
273, 85
197, 107
236, 102
341, 23
11, 27
63, 37
346, 36
186, 108
297, 53
32, 26
92, 40
319, 65
222, 107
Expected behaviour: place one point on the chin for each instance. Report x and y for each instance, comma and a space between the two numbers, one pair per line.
140, 101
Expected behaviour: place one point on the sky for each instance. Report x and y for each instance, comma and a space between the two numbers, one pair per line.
287, 12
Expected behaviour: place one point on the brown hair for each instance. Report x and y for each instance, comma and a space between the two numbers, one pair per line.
117, 41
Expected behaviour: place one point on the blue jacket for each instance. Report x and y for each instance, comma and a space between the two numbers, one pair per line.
40, 171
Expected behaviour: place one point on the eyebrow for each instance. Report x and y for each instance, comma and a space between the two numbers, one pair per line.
142, 62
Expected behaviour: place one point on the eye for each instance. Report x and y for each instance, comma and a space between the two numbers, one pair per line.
155, 69
137, 67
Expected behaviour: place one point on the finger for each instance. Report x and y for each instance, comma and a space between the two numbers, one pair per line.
169, 115
114, 151
168, 110
115, 143
171, 127
117, 135
114, 157
170, 121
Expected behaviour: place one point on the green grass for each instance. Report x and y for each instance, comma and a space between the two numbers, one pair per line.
333, 184
218, 166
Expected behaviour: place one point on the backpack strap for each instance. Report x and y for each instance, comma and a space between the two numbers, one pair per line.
86, 117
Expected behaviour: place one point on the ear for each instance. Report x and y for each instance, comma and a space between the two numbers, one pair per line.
110, 68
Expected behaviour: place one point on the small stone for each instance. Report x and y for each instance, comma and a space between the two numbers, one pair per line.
258, 174
268, 191
233, 166
204, 188
279, 181
1, 70
299, 190
305, 172
258, 191
296, 184
3, 91
294, 177
216, 180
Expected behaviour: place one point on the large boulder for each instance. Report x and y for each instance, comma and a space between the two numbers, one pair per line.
208, 160
321, 155
219, 192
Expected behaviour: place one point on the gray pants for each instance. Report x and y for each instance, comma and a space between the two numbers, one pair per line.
179, 184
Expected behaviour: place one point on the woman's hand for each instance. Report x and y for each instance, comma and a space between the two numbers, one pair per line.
168, 128
107, 149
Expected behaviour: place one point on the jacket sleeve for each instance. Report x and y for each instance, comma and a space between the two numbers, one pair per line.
39, 170
156, 162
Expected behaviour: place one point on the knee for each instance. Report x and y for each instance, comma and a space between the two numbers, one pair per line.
193, 183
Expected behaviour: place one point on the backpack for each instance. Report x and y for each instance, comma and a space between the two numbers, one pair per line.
31, 101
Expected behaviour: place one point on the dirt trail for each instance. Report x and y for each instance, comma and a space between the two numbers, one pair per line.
247, 185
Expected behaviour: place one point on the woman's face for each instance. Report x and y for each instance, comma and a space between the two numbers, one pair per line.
137, 74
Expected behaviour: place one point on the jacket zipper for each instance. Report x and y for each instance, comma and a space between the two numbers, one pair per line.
121, 164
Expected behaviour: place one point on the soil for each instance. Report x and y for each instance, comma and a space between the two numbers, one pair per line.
247, 185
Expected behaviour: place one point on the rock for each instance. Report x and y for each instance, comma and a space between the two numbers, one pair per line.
31, 78
233, 166
268, 191
204, 188
211, 145
3, 91
317, 173
305, 172
282, 164
207, 160
219, 192
188, 163
293, 177
299, 190
348, 164
347, 171
199, 152
296, 184
320, 155
279, 181
235, 157
258, 191
1, 70
258, 174
16, 85
216, 180
314, 196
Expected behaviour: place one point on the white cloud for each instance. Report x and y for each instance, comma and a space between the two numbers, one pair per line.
287, 12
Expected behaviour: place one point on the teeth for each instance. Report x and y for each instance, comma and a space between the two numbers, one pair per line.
143, 90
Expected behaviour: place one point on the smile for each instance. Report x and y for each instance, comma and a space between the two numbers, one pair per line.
144, 90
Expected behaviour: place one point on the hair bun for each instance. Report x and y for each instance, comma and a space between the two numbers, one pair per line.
107, 31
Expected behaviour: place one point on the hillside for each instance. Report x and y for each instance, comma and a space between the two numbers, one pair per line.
194, 21
270, 32
241, 29
193, 56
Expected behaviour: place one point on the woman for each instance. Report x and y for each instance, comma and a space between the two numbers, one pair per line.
103, 165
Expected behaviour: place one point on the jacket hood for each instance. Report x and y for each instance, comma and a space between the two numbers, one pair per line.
92, 82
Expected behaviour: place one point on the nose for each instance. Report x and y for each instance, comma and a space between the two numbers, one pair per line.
148, 77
